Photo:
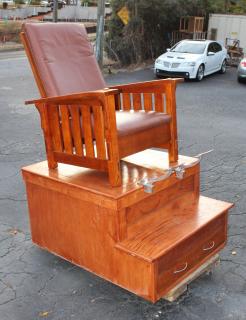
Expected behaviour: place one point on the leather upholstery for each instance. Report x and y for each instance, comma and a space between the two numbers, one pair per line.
129, 123
139, 130
64, 58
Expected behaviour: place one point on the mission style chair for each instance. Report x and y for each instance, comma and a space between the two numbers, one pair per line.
85, 123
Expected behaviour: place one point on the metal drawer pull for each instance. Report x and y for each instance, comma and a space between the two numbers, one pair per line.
209, 248
179, 170
185, 267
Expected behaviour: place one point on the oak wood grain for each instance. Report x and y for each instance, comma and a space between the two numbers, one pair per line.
77, 130
81, 226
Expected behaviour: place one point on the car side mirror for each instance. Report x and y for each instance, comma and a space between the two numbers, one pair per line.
168, 49
210, 53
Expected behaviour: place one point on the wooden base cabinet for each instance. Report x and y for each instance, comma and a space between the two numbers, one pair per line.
145, 243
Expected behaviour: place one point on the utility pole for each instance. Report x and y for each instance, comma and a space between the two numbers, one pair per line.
100, 31
55, 10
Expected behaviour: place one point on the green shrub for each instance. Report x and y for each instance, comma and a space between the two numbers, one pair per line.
35, 2
151, 23
146, 34
11, 29
17, 2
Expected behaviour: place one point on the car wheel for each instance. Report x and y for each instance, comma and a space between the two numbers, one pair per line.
223, 67
240, 80
200, 73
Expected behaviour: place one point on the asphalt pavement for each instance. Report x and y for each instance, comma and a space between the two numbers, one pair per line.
35, 284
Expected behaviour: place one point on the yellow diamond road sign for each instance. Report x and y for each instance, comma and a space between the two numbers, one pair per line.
124, 15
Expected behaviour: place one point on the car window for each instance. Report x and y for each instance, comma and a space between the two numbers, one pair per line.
217, 47
189, 47
211, 48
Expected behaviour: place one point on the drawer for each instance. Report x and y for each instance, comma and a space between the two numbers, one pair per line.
177, 263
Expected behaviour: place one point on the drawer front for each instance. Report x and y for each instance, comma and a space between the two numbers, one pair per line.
178, 262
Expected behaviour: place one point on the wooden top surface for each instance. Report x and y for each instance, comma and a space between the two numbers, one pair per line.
147, 163
182, 223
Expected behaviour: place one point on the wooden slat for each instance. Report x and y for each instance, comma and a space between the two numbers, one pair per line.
126, 101
112, 142
99, 131
117, 102
66, 129
54, 121
87, 130
86, 162
147, 101
76, 129
43, 111
137, 105
159, 107
171, 110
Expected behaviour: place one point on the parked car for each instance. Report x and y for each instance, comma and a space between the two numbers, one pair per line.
192, 59
241, 71
61, 3
44, 3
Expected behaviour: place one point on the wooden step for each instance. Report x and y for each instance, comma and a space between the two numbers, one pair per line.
176, 247
182, 221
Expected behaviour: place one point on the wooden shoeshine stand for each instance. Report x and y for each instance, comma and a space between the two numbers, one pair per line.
147, 239
145, 243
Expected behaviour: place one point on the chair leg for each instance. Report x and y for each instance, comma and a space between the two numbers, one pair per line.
173, 153
52, 164
114, 173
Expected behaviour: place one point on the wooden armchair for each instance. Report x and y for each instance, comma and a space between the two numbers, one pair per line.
84, 122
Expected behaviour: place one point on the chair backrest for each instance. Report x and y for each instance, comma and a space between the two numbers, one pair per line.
62, 58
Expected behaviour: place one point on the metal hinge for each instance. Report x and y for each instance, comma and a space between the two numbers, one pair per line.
179, 170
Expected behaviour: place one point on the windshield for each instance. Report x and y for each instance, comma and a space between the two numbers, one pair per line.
189, 47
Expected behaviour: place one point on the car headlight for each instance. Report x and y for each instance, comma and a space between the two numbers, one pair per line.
191, 64
158, 61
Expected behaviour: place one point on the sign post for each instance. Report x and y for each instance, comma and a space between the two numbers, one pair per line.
100, 31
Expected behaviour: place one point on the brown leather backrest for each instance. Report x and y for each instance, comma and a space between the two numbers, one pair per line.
63, 57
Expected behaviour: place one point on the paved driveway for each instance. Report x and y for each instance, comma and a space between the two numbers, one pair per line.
35, 284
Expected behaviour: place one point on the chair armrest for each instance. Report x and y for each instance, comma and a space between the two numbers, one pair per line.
155, 86
77, 98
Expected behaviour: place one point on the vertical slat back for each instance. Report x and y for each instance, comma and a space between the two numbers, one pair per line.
159, 102
170, 98
66, 129
55, 127
126, 100
137, 102
87, 130
76, 129
99, 132
117, 102
147, 101
164, 103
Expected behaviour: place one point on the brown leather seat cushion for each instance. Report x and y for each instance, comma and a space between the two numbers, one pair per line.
64, 58
130, 122
138, 130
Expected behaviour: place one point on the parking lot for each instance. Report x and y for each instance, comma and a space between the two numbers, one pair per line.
34, 284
